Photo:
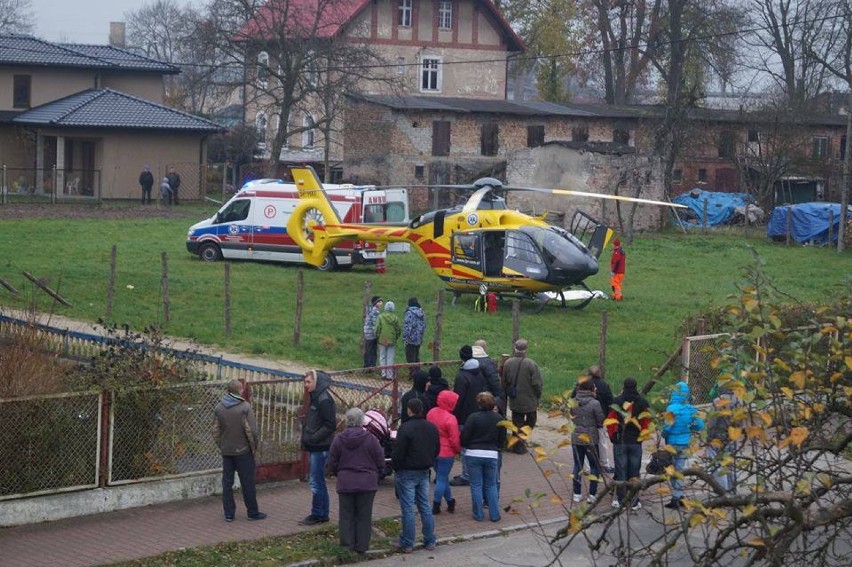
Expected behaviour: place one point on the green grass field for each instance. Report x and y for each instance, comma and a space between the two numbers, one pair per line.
669, 277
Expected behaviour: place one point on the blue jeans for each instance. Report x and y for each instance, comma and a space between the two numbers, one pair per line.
679, 465
581, 453
443, 466
243, 465
628, 464
316, 480
483, 480
413, 489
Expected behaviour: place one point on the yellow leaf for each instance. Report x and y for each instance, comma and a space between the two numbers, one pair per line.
695, 519
526, 431
803, 487
788, 392
765, 417
584, 437
782, 364
756, 542
564, 443
511, 441
798, 435
797, 378
848, 360
610, 421
508, 425
556, 499
548, 473
749, 509
757, 431
735, 433
574, 524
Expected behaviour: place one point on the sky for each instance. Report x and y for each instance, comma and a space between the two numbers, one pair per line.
82, 21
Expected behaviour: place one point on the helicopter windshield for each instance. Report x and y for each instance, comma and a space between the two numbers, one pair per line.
564, 255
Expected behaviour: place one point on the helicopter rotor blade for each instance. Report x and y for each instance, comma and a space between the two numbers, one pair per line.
572, 193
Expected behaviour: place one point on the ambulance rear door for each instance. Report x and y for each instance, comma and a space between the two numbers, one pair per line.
387, 206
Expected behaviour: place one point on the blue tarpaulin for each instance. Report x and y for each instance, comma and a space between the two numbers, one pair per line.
808, 222
720, 207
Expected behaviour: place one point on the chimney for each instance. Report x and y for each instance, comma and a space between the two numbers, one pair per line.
116, 34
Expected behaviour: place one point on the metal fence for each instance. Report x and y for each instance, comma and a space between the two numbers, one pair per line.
85, 440
49, 185
700, 351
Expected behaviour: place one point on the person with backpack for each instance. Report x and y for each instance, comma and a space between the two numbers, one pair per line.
719, 442
685, 422
629, 409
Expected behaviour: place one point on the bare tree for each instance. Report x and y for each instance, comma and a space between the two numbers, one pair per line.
833, 52
787, 443
294, 53
16, 16
783, 30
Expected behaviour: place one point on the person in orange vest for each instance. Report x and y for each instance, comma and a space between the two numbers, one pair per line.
616, 269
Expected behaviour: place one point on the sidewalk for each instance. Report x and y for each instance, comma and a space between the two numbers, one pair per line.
142, 532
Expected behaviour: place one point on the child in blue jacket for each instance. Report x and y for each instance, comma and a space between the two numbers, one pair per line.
685, 422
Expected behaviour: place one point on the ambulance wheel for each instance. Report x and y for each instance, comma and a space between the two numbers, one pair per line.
210, 252
329, 263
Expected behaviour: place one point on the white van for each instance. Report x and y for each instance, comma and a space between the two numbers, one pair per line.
253, 224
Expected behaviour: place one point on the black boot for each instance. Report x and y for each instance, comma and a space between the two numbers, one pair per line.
436, 508
451, 506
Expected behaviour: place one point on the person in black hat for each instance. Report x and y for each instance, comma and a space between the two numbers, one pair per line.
371, 340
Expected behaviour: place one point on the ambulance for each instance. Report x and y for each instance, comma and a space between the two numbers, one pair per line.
253, 224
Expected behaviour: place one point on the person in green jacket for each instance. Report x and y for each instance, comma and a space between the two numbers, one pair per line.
388, 331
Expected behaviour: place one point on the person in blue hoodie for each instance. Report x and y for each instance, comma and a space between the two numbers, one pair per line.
685, 422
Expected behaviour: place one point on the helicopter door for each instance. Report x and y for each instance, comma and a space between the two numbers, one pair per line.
522, 257
467, 250
590, 232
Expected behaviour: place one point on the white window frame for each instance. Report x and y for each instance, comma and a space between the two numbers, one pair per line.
819, 147
405, 13
431, 72
261, 124
445, 15
308, 136
262, 64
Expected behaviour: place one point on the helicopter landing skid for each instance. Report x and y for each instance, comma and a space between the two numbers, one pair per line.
568, 299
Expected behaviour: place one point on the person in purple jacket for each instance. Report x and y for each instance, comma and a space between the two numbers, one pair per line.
356, 459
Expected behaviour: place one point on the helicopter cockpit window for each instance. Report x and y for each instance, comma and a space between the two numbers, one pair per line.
236, 211
466, 250
522, 255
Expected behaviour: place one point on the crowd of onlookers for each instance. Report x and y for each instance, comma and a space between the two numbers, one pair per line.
487, 410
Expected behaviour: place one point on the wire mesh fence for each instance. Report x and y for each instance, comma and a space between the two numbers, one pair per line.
49, 443
699, 371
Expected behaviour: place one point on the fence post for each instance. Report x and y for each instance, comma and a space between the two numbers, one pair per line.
106, 440
300, 301
704, 217
830, 226
602, 344
111, 283
439, 322
227, 299
166, 310
5, 188
53, 188
745, 223
368, 292
516, 320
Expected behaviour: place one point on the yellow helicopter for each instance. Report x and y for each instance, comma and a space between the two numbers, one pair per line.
479, 247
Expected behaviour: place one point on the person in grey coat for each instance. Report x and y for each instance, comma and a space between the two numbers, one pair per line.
237, 436
588, 418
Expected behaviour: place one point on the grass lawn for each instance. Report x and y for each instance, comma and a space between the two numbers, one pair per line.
669, 277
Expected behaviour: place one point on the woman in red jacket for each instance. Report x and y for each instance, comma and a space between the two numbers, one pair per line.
448, 431
616, 269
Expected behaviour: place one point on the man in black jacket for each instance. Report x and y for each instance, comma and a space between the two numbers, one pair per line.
489, 369
417, 446
317, 435
470, 381
625, 436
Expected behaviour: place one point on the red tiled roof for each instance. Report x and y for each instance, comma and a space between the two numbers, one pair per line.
301, 16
